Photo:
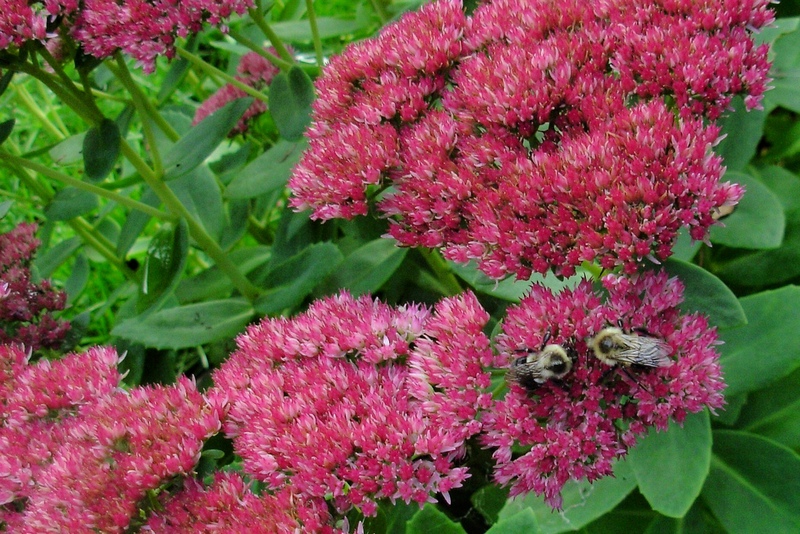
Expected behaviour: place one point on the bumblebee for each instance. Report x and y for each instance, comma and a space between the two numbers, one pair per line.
536, 368
612, 346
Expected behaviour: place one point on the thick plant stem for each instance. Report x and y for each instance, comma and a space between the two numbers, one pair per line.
25, 99
140, 100
78, 184
198, 233
441, 270
196, 61
269, 33
312, 22
272, 58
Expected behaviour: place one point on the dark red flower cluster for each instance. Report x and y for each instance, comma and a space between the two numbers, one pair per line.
536, 135
26, 306
144, 29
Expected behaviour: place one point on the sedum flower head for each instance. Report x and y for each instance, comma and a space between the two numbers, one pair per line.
357, 401
228, 505
26, 306
37, 405
575, 427
253, 70
143, 29
96, 464
533, 136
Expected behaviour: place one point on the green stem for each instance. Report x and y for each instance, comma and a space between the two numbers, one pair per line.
25, 99
84, 230
197, 231
206, 242
312, 21
90, 236
78, 184
140, 100
441, 270
269, 33
85, 95
89, 114
378, 7
272, 58
198, 62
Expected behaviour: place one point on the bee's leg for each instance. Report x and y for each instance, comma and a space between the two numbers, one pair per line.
633, 379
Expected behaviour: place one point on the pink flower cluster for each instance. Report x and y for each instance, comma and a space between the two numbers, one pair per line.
145, 29
536, 135
228, 505
253, 70
356, 401
25, 306
77, 453
575, 427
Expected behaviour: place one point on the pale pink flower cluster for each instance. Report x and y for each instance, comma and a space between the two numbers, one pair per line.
357, 401
533, 136
253, 70
79, 453
26, 306
144, 29
575, 427
228, 505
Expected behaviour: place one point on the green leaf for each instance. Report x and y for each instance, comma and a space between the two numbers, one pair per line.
297, 31
200, 194
70, 203
268, 172
729, 414
163, 267
742, 130
5, 206
774, 412
368, 267
696, 521
193, 148
70, 150
101, 147
522, 523
583, 502
48, 261
489, 500
213, 283
767, 348
135, 223
5, 129
510, 288
430, 519
671, 466
758, 220
768, 267
685, 248
707, 294
293, 280
290, 98
5, 80
78, 277
188, 326
753, 485
786, 62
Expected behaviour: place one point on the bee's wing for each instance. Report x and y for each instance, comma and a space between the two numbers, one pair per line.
642, 350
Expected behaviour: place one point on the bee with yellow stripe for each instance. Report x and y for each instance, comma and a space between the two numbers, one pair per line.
612, 346
536, 368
